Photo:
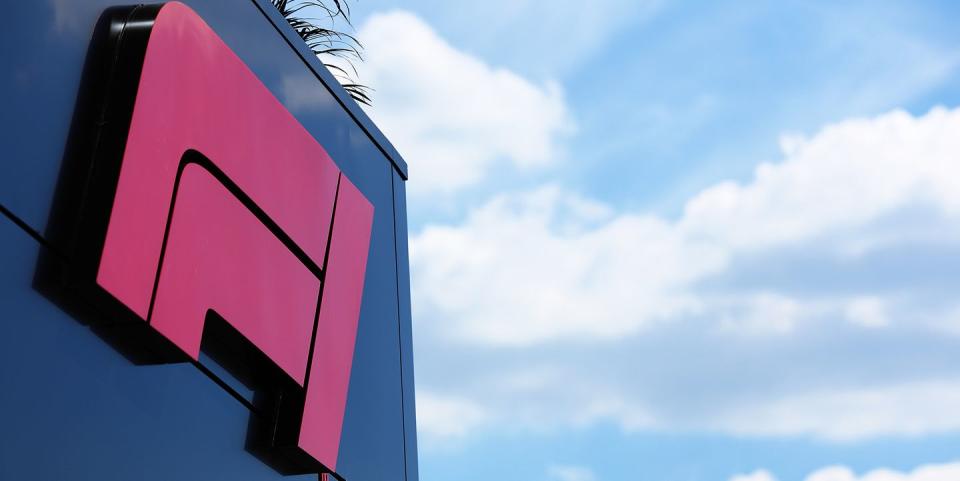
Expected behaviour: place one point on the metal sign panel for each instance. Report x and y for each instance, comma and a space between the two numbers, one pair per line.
195, 211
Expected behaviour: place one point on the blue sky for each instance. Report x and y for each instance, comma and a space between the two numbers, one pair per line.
679, 241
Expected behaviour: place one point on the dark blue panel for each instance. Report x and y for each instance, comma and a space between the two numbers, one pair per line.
76, 409
406, 330
373, 440
44, 47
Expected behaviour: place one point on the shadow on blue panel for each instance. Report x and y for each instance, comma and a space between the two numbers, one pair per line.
76, 409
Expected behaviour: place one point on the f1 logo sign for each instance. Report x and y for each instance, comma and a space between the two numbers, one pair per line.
210, 214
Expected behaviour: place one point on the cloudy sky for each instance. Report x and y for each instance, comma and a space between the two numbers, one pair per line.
679, 242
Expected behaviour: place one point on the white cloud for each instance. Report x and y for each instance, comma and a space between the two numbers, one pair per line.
929, 472
527, 268
763, 313
452, 116
758, 475
946, 320
851, 414
533, 267
868, 311
442, 417
570, 473
543, 277
848, 175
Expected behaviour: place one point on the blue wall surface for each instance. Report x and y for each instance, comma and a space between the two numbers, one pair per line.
74, 407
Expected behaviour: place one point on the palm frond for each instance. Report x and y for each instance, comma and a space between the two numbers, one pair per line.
328, 43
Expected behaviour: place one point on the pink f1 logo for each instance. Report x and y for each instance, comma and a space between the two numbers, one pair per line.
224, 207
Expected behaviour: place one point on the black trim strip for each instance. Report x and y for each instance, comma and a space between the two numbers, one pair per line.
323, 284
198, 159
396, 273
226, 387
26, 228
